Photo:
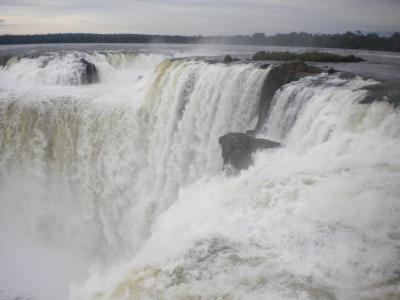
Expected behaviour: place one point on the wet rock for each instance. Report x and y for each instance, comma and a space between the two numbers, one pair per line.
264, 66
331, 71
386, 91
229, 59
89, 74
277, 77
237, 148
4, 59
353, 58
315, 56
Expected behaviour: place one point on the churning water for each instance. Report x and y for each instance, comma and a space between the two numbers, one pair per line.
116, 190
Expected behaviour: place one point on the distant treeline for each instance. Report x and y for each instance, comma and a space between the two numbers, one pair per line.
58, 38
348, 40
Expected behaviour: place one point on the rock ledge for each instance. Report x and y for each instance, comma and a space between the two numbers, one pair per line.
237, 148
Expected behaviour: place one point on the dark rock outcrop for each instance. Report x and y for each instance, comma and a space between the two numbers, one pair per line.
386, 91
277, 77
306, 56
229, 59
264, 66
237, 148
89, 74
4, 59
331, 71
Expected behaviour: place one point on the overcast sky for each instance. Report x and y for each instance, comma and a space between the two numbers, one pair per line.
190, 17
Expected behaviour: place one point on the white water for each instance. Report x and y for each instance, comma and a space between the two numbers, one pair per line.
118, 186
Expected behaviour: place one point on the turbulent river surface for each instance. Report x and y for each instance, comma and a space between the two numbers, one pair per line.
116, 190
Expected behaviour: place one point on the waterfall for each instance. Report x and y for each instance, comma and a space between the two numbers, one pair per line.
124, 180
100, 168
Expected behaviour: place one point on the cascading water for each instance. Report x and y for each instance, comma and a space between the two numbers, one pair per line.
122, 182
100, 167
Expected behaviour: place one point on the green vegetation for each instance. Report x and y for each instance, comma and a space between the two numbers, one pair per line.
348, 40
307, 56
60, 38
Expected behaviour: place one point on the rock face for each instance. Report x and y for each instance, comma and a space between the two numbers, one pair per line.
314, 56
264, 66
277, 77
4, 59
237, 148
386, 91
331, 70
229, 59
89, 74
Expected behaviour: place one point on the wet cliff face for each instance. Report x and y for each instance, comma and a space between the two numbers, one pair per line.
278, 76
384, 91
237, 149
89, 72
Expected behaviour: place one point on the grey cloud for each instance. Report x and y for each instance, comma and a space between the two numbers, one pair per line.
206, 16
